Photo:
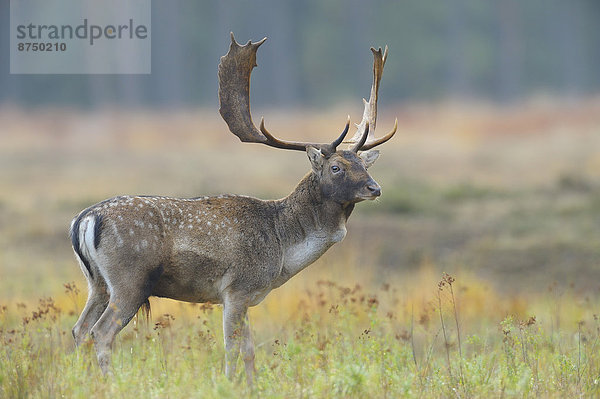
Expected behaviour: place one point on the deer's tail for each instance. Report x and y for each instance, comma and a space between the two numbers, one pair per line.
85, 232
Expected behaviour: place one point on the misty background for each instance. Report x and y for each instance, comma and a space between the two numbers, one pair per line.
317, 53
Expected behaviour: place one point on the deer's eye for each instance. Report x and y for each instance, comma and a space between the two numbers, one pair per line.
335, 168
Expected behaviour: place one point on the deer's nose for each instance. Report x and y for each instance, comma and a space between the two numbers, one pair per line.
374, 189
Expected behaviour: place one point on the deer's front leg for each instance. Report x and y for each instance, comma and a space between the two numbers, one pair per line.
234, 320
248, 351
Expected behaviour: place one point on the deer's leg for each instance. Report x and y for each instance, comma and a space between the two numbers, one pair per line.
234, 317
120, 310
94, 307
129, 286
248, 350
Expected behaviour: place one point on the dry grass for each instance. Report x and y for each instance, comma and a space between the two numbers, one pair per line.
419, 337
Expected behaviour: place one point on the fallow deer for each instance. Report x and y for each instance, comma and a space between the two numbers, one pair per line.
231, 249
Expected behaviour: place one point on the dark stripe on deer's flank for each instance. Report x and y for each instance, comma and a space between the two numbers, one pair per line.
152, 279
97, 230
76, 244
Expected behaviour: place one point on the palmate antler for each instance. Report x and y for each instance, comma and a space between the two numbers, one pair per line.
366, 128
234, 98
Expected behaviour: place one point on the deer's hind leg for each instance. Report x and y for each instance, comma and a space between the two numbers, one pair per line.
127, 293
94, 307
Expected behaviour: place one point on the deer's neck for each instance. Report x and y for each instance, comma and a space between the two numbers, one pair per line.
307, 211
308, 225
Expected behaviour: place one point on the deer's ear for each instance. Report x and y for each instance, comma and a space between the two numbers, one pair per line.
316, 158
369, 157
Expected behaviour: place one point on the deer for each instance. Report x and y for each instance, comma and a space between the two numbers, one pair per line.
228, 249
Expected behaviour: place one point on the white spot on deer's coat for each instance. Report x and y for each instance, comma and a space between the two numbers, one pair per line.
117, 235
131, 232
144, 244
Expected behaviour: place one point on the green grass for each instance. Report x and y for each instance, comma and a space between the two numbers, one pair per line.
337, 342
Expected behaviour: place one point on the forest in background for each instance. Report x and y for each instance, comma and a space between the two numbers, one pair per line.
317, 53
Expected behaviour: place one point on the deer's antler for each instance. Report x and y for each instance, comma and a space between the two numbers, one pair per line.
366, 128
234, 98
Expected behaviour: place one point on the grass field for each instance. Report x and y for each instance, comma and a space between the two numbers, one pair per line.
505, 200
323, 340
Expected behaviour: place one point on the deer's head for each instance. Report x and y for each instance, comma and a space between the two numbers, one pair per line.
342, 174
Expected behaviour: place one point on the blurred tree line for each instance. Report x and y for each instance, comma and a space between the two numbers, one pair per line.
317, 53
